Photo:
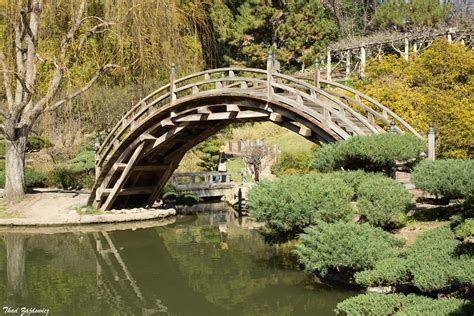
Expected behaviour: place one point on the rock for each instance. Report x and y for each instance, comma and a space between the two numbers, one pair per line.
381, 289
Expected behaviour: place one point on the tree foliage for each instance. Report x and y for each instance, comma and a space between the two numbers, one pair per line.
291, 203
437, 85
409, 15
344, 246
293, 163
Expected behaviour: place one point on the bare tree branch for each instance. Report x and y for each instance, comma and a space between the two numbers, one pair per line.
97, 75
6, 81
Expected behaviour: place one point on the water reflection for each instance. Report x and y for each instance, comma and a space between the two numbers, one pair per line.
199, 265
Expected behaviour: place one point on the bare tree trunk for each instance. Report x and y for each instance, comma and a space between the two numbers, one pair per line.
15, 167
16, 259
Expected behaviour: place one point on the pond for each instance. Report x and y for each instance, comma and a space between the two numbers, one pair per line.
205, 264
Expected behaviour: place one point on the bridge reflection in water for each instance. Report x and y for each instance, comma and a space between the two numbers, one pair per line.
184, 268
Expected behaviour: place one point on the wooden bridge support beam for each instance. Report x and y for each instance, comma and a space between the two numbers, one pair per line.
123, 178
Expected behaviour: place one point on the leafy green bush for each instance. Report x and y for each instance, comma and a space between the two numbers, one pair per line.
450, 178
436, 261
399, 304
382, 201
344, 246
376, 152
84, 162
36, 143
63, 177
389, 271
171, 195
294, 202
465, 229
293, 163
35, 179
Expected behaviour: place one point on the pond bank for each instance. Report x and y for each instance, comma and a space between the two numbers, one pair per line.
54, 207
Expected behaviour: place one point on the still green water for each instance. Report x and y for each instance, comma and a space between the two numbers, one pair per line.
186, 267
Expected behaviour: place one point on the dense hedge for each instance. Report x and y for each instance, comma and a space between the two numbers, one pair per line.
450, 178
436, 261
382, 201
399, 304
376, 152
465, 229
33, 179
344, 246
291, 203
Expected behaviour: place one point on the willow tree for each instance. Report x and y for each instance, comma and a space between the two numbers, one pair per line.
24, 101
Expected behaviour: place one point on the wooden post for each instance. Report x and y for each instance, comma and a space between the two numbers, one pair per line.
172, 87
317, 75
97, 156
172, 80
431, 143
415, 47
328, 66
269, 75
392, 127
348, 63
362, 61
407, 47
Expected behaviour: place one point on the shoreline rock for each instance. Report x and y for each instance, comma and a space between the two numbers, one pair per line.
78, 219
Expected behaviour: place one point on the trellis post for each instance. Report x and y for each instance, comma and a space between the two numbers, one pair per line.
431, 143
269, 74
362, 61
348, 63
328, 65
317, 75
407, 47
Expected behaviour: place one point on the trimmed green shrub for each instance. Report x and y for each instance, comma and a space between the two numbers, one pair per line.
293, 163
389, 271
436, 261
63, 177
84, 162
399, 304
450, 178
465, 229
171, 195
382, 201
344, 246
376, 152
35, 179
291, 203
36, 143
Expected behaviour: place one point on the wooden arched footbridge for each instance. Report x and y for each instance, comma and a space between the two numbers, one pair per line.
141, 152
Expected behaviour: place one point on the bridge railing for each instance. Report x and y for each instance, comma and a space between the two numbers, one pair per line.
261, 83
196, 180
